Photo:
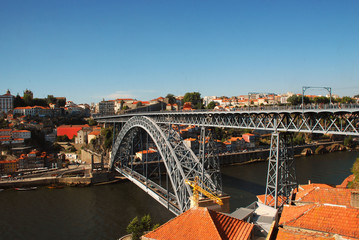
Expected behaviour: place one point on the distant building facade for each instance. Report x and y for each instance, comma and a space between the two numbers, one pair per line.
6, 102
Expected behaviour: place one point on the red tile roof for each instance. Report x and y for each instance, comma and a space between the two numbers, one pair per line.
344, 184
332, 219
311, 185
70, 130
286, 234
5, 130
337, 196
96, 133
261, 199
202, 223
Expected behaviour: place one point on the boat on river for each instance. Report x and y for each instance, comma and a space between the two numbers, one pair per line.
26, 189
54, 186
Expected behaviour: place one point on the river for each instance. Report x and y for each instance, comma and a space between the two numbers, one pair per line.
103, 212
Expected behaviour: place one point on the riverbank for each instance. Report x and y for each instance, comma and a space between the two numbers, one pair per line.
240, 158
98, 178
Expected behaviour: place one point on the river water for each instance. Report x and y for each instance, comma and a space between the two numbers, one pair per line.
103, 212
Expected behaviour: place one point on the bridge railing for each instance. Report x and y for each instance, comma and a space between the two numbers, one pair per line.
264, 108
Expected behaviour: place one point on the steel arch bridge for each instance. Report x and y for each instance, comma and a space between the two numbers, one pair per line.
179, 160
181, 163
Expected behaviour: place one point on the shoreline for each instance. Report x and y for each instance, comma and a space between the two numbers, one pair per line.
103, 178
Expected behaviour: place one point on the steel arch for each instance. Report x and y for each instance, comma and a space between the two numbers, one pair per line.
180, 162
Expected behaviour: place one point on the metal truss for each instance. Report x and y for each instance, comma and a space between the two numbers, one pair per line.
180, 161
281, 177
208, 155
326, 121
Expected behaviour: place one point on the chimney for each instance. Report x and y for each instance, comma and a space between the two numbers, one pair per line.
354, 199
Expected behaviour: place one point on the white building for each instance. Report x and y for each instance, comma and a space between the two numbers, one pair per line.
25, 134
6, 102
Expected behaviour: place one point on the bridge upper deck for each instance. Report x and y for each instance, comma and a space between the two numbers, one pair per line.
332, 119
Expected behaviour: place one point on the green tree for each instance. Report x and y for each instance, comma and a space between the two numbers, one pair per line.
28, 100
171, 98
92, 122
63, 138
139, 104
211, 105
194, 98
348, 141
18, 101
297, 100
61, 102
51, 99
3, 123
321, 99
107, 134
355, 171
138, 228
135, 229
346, 100
39, 102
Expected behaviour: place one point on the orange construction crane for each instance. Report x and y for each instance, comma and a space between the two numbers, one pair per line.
197, 189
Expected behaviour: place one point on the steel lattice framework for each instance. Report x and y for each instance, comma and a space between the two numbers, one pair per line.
180, 161
281, 178
322, 121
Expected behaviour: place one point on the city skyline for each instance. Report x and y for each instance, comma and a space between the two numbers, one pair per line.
91, 50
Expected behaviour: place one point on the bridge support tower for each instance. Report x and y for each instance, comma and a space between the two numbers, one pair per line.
281, 177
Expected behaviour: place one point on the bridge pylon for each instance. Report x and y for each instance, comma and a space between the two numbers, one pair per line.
281, 177
208, 155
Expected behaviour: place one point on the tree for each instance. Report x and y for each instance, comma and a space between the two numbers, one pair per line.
171, 98
18, 101
28, 100
137, 228
92, 122
107, 134
319, 100
348, 141
61, 102
63, 138
194, 98
139, 104
51, 99
297, 100
346, 100
211, 105
355, 171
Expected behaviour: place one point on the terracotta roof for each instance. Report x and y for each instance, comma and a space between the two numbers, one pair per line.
147, 151
286, 234
21, 131
96, 133
202, 223
8, 161
332, 219
190, 139
311, 185
261, 199
294, 212
344, 184
5, 130
337, 196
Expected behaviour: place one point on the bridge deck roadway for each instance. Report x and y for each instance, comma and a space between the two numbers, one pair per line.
332, 119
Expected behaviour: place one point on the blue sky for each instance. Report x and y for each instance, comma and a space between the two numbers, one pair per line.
88, 50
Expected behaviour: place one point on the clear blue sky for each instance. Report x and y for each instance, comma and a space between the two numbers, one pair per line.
88, 50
